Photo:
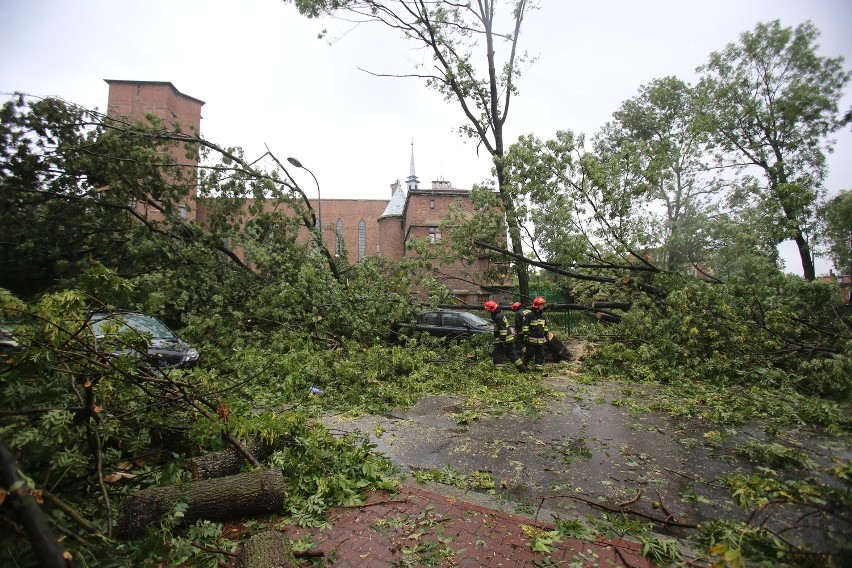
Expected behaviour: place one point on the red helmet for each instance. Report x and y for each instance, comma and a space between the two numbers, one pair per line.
490, 306
539, 302
515, 306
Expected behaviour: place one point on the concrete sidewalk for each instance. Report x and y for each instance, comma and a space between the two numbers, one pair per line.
416, 527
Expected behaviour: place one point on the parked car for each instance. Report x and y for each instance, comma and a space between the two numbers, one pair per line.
9, 343
120, 333
450, 324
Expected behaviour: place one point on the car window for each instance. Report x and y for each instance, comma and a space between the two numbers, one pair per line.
429, 318
453, 320
137, 322
475, 320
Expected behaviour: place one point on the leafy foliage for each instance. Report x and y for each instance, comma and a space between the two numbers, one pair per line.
770, 103
779, 332
837, 216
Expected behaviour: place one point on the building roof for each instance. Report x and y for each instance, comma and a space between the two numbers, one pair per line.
396, 205
162, 83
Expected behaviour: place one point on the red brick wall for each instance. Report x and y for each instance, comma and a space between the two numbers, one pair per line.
138, 99
386, 237
428, 208
391, 238
351, 212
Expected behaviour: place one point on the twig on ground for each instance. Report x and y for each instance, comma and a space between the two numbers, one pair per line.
629, 501
663, 506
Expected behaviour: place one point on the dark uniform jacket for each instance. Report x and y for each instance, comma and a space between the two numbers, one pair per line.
535, 327
503, 332
520, 318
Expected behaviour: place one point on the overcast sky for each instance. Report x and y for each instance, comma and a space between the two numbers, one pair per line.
267, 79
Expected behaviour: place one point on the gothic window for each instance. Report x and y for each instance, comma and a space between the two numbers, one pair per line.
338, 234
362, 239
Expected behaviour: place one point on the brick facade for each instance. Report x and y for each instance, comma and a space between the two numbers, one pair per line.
844, 285
350, 213
138, 100
370, 227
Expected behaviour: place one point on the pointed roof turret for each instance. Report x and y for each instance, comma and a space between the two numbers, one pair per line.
396, 205
412, 180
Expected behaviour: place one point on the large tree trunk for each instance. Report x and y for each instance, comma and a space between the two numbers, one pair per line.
808, 268
511, 219
269, 549
248, 494
557, 349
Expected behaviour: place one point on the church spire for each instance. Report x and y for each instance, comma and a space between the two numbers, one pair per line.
412, 178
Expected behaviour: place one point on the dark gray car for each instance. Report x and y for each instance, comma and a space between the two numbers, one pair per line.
450, 324
121, 333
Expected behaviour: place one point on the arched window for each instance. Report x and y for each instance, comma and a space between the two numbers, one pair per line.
362, 239
338, 234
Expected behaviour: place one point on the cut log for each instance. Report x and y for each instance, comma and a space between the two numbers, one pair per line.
230, 460
247, 494
556, 348
269, 549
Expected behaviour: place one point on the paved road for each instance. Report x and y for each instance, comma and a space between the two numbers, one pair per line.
582, 455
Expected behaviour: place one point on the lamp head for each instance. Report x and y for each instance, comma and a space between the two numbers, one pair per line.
295, 162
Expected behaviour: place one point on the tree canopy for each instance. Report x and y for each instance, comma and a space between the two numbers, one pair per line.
770, 102
467, 68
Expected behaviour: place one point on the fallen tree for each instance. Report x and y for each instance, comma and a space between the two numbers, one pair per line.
247, 494
626, 280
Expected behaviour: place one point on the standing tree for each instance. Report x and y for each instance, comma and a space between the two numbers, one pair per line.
457, 34
771, 102
658, 128
837, 216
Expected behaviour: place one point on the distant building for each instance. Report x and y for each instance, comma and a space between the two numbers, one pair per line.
844, 283
138, 100
363, 227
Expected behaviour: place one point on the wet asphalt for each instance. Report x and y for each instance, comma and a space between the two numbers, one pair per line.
585, 455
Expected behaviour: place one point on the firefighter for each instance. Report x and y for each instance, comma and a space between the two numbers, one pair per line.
521, 312
504, 337
535, 330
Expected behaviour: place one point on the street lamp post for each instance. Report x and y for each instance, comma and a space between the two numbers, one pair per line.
298, 164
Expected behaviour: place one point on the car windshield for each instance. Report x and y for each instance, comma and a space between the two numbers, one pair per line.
137, 322
475, 320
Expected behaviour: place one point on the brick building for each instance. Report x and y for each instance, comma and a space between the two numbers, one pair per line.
844, 285
358, 227
138, 100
